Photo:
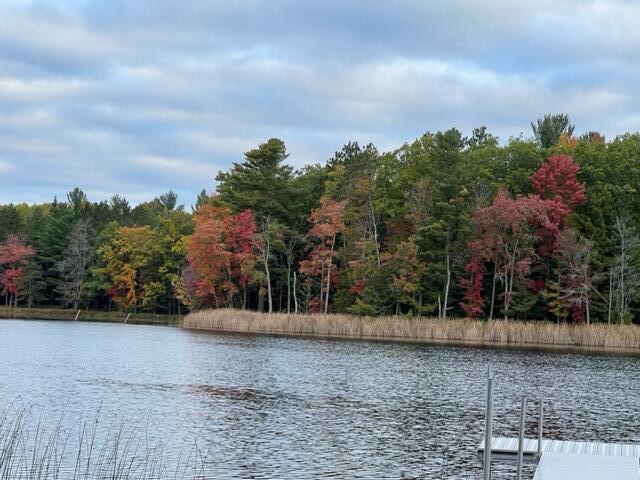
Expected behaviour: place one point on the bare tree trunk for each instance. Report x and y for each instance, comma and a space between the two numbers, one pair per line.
508, 290
587, 308
260, 302
622, 275
268, 275
307, 299
508, 278
446, 288
295, 295
493, 290
288, 286
322, 284
289, 253
375, 229
326, 301
506, 297
610, 295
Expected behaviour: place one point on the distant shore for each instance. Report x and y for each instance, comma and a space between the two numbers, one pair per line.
595, 337
23, 313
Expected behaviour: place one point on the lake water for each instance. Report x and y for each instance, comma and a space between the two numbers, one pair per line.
274, 407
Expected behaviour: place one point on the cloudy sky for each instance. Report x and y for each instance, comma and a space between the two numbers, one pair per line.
138, 97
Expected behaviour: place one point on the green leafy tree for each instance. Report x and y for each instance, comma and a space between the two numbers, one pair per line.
548, 129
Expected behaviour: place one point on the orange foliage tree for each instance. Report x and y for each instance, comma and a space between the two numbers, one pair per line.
221, 255
327, 223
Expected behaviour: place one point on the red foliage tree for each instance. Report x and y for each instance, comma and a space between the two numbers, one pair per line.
221, 254
242, 241
14, 256
326, 224
546, 218
508, 231
511, 231
556, 179
472, 302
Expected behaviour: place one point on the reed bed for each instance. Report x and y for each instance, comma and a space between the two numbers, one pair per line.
32, 448
421, 329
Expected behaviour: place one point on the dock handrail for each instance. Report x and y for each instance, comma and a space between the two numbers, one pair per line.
540, 425
488, 428
521, 439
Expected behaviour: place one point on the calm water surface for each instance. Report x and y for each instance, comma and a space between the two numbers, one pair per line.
272, 407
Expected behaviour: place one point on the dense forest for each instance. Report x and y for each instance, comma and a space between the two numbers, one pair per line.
540, 227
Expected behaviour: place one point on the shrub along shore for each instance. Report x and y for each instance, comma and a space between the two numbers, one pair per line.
421, 329
88, 316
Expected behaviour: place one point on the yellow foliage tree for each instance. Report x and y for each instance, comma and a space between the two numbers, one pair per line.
131, 260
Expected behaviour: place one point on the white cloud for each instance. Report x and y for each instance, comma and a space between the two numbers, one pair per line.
138, 97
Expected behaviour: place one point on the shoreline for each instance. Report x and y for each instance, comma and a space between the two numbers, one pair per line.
547, 347
69, 315
531, 335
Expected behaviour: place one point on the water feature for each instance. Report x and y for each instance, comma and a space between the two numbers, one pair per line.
276, 407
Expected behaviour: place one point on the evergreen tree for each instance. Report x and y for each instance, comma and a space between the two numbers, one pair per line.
261, 183
550, 128
51, 242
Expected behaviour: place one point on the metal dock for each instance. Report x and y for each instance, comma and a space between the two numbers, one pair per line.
507, 448
561, 466
557, 459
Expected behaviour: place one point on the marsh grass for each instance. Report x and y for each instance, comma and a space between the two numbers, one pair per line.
421, 329
118, 450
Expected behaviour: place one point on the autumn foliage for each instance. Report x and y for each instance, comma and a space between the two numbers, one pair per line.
557, 180
472, 303
130, 259
221, 254
514, 233
326, 223
14, 257
445, 225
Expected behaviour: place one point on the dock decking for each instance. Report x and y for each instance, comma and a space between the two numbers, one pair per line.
560, 466
556, 459
564, 460
508, 448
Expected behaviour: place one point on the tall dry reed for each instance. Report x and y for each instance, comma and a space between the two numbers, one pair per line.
507, 332
47, 450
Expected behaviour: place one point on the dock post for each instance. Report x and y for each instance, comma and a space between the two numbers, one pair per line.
540, 425
77, 315
488, 428
521, 439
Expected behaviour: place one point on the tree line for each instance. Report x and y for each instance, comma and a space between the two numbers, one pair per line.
540, 227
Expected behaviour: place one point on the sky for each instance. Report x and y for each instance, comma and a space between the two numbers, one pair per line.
139, 97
